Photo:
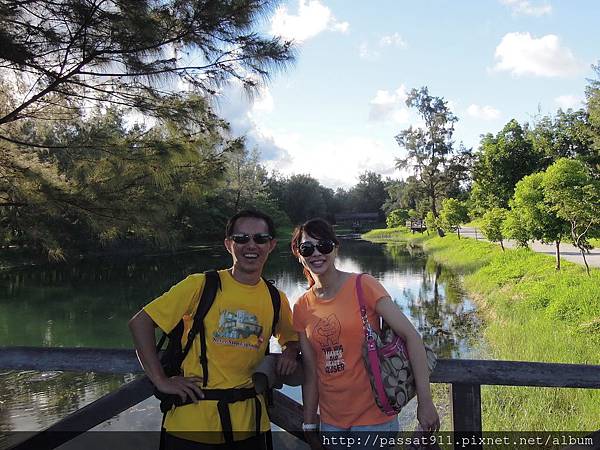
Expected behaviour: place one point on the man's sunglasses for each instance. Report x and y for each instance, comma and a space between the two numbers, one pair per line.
259, 238
308, 248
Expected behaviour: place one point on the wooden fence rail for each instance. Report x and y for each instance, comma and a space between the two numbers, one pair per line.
464, 376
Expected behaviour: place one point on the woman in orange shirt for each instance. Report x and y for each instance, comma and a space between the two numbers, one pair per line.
328, 320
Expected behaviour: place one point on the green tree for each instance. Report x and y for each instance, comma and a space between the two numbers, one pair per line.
429, 151
406, 194
453, 214
515, 227
493, 224
574, 195
592, 94
62, 54
369, 194
500, 162
567, 135
115, 185
301, 197
397, 218
431, 222
531, 211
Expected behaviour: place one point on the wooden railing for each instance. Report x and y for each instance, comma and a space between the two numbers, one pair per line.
464, 376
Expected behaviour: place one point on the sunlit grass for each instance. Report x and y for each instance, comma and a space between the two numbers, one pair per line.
532, 313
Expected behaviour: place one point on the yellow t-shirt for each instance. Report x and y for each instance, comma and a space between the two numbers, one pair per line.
238, 329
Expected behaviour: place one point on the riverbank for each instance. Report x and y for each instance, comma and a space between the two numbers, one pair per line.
532, 313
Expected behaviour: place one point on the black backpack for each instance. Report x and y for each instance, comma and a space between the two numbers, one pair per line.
173, 356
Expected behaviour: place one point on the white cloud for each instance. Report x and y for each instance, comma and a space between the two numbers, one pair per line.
522, 54
389, 106
526, 8
569, 101
241, 111
394, 40
312, 18
483, 112
263, 102
341, 161
366, 50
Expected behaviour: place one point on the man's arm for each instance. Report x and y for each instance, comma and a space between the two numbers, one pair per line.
142, 328
288, 362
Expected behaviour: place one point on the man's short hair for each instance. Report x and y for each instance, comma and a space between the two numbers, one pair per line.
249, 213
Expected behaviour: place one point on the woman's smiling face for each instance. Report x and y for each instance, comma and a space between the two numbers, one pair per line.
317, 263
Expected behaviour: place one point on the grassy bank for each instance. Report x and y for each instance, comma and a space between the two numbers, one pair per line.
532, 313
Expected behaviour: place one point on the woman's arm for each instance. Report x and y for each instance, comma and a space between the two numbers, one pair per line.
310, 392
426, 411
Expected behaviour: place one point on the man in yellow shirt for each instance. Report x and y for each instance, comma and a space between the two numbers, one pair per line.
237, 329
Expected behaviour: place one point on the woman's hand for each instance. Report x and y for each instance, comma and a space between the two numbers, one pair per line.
427, 416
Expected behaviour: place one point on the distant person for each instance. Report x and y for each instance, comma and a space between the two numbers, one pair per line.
328, 320
219, 407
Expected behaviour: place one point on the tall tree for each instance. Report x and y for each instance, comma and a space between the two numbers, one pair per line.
369, 194
501, 161
540, 221
566, 135
574, 195
114, 184
429, 151
62, 54
303, 197
453, 215
405, 194
592, 94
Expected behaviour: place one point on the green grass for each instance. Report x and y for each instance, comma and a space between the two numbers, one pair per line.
532, 313
395, 234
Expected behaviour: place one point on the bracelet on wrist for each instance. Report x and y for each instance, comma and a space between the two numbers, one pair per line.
310, 426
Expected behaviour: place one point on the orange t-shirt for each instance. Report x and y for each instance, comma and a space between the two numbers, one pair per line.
334, 329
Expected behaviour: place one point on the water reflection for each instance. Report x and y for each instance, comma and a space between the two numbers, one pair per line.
88, 304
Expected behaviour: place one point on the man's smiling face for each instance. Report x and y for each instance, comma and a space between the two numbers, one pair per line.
249, 258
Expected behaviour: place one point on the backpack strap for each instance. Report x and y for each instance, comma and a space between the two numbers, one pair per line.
211, 284
276, 300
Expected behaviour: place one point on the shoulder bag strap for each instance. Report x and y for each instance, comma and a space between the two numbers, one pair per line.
372, 349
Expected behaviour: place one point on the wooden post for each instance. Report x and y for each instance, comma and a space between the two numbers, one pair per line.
466, 414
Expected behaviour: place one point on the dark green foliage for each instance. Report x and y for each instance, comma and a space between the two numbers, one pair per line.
396, 218
100, 184
567, 135
501, 161
592, 94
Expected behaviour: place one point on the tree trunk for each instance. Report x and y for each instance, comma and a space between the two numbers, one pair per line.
502, 244
458, 232
587, 268
557, 243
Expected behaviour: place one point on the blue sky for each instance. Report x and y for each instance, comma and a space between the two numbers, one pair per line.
335, 112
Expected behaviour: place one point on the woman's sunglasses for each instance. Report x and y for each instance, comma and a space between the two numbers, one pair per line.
259, 238
308, 248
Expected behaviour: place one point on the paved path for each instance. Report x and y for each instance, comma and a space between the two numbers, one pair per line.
568, 252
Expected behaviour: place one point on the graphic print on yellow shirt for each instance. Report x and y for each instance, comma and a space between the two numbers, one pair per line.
238, 327
327, 334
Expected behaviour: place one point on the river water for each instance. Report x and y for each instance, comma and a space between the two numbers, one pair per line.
89, 304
